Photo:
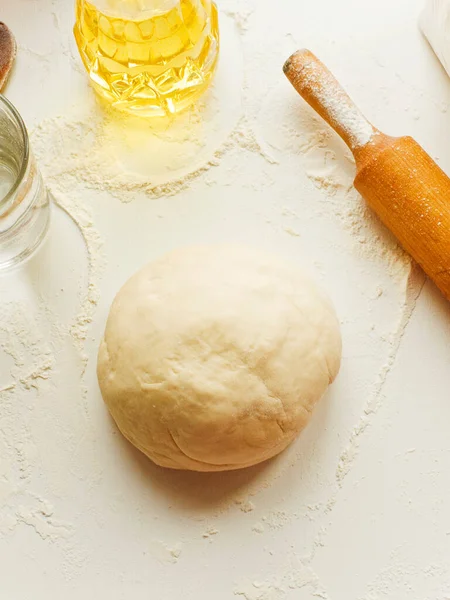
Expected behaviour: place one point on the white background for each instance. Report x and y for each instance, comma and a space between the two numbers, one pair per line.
357, 508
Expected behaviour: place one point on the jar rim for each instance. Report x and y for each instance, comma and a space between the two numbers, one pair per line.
11, 109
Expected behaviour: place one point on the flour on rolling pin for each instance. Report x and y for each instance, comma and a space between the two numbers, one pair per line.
435, 24
341, 112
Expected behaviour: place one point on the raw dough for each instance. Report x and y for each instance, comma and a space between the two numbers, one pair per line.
214, 357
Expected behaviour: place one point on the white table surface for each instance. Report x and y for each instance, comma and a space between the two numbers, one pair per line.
357, 508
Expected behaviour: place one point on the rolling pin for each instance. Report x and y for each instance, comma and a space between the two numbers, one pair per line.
396, 177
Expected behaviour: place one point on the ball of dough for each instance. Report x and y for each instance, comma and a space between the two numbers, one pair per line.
214, 357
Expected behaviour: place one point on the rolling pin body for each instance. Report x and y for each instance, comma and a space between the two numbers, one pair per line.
411, 195
396, 177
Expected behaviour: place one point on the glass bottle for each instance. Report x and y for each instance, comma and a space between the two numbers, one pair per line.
24, 202
148, 57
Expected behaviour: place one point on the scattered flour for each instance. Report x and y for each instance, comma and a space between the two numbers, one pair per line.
210, 532
401, 578
277, 519
245, 505
240, 17
30, 341
298, 576
88, 148
258, 527
413, 284
42, 521
240, 12
82, 216
292, 232
23, 341
329, 165
164, 553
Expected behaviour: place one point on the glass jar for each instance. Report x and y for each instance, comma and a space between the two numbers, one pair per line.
148, 57
24, 202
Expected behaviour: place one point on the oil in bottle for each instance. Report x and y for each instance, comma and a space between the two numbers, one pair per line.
148, 57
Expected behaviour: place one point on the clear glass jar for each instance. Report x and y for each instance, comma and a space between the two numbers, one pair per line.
149, 57
24, 202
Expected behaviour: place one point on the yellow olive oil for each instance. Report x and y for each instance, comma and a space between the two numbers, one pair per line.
148, 57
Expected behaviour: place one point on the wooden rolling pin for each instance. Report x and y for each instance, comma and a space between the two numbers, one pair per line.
397, 178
